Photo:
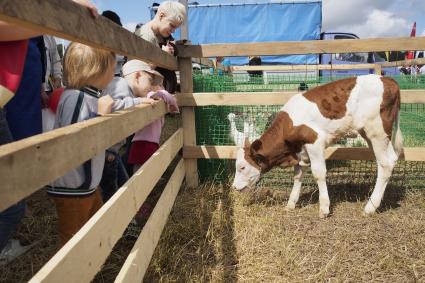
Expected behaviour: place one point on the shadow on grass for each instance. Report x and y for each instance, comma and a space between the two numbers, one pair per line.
338, 193
198, 241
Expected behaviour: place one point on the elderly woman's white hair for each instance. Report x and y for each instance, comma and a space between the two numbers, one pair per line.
173, 10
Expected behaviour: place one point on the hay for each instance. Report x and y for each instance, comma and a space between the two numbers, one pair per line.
39, 225
217, 235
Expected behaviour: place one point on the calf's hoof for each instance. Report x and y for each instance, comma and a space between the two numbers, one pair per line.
369, 209
290, 207
323, 212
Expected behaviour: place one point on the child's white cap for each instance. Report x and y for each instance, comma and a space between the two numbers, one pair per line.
137, 66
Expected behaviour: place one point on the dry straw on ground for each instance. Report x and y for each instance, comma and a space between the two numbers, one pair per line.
218, 235
215, 235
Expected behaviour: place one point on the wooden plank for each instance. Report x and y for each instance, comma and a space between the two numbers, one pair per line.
332, 153
234, 98
210, 151
265, 98
89, 248
303, 47
326, 67
138, 260
303, 67
378, 69
68, 20
188, 120
29, 164
412, 96
418, 61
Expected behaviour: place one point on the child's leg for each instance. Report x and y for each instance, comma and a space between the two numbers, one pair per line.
122, 176
140, 152
109, 181
74, 212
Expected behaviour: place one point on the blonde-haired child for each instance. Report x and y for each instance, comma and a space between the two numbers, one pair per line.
169, 16
87, 71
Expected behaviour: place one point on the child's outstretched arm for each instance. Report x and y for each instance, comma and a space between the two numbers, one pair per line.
168, 98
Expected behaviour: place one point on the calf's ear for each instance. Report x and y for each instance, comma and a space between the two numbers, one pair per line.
255, 146
247, 144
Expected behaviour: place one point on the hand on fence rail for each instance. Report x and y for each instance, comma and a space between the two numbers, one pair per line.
92, 8
104, 105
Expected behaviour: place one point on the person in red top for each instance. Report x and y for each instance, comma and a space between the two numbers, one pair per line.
14, 42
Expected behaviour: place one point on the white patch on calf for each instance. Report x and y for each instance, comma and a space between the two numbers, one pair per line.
246, 175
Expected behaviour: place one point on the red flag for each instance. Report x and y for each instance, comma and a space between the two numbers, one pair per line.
411, 54
413, 32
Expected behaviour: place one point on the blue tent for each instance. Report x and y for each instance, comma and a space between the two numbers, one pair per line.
261, 22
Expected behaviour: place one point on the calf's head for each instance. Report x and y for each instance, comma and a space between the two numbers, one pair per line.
278, 146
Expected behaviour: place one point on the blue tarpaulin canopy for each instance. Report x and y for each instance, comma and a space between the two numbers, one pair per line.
262, 22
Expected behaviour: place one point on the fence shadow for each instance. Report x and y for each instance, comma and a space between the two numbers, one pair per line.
198, 241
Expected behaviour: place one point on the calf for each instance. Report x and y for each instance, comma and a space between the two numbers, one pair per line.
311, 121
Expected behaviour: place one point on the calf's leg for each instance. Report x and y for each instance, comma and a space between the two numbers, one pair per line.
318, 168
295, 193
386, 159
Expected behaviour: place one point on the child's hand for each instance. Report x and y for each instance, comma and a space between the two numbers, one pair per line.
92, 8
104, 105
155, 96
168, 48
145, 100
173, 109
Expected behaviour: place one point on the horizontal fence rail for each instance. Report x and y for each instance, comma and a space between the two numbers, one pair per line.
265, 98
302, 47
68, 20
82, 256
330, 67
137, 262
29, 164
332, 153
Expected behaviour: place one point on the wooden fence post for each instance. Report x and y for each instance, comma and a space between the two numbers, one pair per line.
378, 69
188, 116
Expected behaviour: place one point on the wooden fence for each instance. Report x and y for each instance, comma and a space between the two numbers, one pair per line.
29, 164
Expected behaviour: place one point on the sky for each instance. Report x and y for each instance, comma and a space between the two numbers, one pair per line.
366, 18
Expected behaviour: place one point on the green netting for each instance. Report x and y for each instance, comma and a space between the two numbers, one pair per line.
213, 127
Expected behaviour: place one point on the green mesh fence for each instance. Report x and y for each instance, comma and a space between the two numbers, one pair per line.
213, 127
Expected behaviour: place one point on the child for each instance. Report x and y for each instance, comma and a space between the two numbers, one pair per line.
146, 82
114, 172
86, 71
169, 16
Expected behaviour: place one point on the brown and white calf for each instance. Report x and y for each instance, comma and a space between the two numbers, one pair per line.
311, 121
